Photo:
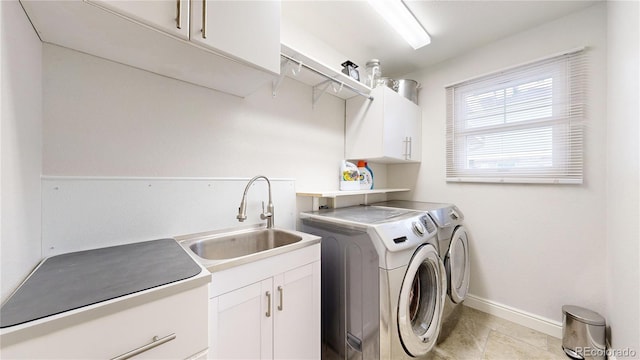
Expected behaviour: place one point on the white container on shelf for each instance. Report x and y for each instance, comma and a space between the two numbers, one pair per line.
349, 176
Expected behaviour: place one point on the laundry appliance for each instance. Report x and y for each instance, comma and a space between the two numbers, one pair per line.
453, 241
383, 282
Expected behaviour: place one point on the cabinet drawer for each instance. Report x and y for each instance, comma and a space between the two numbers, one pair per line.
183, 315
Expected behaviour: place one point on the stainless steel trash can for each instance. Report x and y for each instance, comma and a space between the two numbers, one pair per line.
583, 333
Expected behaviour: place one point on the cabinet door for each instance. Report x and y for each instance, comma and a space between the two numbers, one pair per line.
414, 131
246, 30
365, 126
241, 323
170, 16
297, 310
402, 128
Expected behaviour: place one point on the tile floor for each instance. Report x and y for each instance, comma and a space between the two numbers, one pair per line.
480, 336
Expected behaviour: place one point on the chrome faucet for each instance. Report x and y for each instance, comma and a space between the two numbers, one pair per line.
242, 210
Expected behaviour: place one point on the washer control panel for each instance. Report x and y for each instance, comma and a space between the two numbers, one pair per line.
428, 223
406, 233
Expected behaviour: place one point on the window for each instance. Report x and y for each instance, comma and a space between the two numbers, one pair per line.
524, 124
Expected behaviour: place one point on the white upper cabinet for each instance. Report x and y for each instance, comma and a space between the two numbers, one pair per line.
387, 129
168, 16
248, 30
155, 36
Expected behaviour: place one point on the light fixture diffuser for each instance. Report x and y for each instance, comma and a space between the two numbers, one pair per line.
396, 13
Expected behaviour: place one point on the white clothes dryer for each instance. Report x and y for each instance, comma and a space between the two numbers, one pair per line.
383, 282
453, 241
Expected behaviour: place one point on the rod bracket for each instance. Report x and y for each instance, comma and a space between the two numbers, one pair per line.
277, 82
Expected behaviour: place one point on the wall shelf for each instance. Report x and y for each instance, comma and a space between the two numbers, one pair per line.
333, 194
321, 77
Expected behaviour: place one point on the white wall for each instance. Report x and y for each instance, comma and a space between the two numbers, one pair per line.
623, 181
107, 119
533, 247
80, 214
21, 148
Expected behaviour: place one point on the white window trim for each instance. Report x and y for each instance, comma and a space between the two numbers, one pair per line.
567, 153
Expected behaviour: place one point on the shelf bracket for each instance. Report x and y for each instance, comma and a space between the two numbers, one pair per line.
322, 88
319, 90
315, 203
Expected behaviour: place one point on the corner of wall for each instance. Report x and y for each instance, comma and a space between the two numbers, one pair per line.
623, 179
21, 146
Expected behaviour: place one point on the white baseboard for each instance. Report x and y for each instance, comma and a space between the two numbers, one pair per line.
517, 316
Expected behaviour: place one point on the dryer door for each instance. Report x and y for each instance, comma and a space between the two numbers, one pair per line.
457, 264
421, 301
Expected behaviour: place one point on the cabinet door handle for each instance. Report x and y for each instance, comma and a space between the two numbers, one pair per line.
155, 343
354, 342
281, 291
410, 147
179, 12
406, 147
268, 313
204, 19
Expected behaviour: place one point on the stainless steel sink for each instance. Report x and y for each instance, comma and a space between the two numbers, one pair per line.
236, 245
218, 250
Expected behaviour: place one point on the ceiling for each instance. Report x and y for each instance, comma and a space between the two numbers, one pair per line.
354, 29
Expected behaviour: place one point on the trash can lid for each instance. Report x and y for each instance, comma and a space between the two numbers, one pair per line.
583, 315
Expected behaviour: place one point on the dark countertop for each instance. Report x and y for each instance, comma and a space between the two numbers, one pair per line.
70, 281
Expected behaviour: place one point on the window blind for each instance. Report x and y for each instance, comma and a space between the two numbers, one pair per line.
524, 124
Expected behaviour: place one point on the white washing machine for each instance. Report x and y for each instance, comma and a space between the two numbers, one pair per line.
453, 241
383, 282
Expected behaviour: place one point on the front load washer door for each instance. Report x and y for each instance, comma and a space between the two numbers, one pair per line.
421, 301
457, 264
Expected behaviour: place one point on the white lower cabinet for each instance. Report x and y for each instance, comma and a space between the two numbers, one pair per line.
277, 317
296, 322
171, 327
238, 321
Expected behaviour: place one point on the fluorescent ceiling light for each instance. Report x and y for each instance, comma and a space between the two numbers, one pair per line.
396, 13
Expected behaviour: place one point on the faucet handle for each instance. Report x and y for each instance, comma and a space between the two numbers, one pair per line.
265, 214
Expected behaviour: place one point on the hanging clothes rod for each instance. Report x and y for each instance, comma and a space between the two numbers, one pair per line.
327, 77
